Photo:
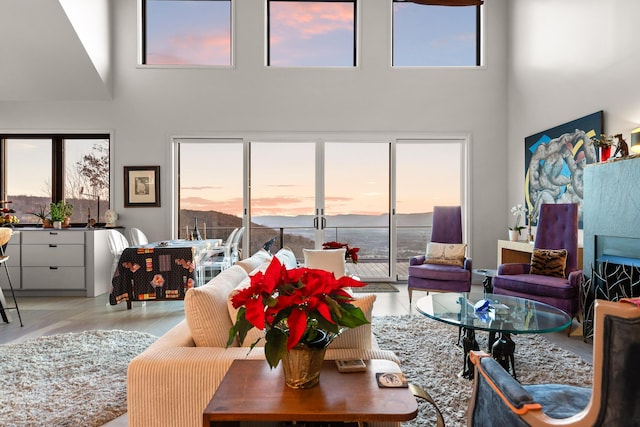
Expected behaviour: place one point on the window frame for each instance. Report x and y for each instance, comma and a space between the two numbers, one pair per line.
478, 49
57, 162
268, 34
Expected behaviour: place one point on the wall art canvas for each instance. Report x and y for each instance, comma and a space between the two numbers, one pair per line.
555, 161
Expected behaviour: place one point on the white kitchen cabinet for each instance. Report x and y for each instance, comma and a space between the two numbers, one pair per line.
60, 262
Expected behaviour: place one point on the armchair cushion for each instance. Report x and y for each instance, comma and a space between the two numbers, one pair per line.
549, 262
445, 253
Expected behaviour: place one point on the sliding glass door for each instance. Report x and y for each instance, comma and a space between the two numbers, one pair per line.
301, 192
356, 203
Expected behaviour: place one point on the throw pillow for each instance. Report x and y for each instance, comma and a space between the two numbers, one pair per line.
326, 259
549, 262
359, 337
205, 308
287, 258
445, 253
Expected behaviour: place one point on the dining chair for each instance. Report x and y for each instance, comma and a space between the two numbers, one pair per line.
117, 243
217, 259
137, 237
236, 249
332, 260
5, 236
445, 266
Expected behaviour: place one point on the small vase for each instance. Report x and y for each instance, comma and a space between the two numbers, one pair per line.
605, 153
302, 364
513, 235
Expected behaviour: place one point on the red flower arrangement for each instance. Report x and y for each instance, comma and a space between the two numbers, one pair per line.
352, 253
295, 306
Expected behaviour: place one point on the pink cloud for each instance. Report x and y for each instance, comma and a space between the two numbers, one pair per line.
199, 49
307, 19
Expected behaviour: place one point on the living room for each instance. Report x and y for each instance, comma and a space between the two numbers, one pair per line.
543, 63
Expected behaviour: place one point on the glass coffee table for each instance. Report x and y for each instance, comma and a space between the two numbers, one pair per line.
504, 315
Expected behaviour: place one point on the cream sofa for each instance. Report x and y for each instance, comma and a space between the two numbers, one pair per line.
171, 382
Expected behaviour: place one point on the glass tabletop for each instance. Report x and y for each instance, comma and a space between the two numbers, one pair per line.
504, 313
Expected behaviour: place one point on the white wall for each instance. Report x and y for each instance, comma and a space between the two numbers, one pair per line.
150, 105
567, 59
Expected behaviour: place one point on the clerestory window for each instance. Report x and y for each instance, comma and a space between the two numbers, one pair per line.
186, 32
432, 33
308, 33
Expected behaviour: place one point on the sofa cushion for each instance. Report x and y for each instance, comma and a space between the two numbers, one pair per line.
287, 258
445, 253
359, 337
439, 272
205, 308
254, 261
549, 262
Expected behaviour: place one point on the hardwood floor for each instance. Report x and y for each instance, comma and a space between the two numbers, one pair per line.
53, 315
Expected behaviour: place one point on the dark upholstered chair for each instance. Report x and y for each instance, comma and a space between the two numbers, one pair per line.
557, 229
612, 400
446, 228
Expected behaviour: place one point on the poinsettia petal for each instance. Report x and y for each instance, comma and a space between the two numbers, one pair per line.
297, 325
255, 312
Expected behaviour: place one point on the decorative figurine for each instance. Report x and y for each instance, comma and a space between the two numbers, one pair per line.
110, 216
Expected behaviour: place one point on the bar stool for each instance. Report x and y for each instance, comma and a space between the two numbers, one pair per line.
5, 235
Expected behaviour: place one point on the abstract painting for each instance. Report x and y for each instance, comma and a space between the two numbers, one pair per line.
555, 161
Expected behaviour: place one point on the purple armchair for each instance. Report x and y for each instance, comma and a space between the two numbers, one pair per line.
446, 228
557, 229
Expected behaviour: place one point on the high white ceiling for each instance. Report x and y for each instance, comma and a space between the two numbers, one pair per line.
44, 57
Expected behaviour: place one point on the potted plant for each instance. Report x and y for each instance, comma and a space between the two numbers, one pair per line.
61, 211
302, 310
41, 214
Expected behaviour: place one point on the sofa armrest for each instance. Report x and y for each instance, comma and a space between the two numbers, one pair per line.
575, 279
468, 264
417, 260
172, 386
514, 268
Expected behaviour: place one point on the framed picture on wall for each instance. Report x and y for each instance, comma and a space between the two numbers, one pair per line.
141, 186
554, 162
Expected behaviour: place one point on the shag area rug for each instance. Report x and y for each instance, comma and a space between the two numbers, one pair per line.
72, 379
431, 358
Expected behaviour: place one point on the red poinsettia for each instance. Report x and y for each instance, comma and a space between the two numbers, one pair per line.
293, 306
351, 253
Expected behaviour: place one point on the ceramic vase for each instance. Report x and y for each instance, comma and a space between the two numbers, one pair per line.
513, 235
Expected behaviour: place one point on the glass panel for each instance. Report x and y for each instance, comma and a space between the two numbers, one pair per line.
311, 33
211, 187
420, 163
434, 35
283, 195
357, 203
182, 32
29, 187
86, 168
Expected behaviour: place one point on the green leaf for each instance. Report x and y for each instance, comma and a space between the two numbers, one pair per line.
275, 347
352, 316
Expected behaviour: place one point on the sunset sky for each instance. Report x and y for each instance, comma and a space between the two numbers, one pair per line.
307, 34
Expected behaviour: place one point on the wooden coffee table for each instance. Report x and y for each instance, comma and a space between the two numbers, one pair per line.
251, 391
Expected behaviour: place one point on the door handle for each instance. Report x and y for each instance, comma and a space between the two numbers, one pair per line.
315, 223
324, 223
53, 268
53, 246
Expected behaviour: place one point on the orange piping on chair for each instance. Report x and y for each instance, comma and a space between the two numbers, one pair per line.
528, 407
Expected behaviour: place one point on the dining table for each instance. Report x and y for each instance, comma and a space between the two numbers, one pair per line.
160, 271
